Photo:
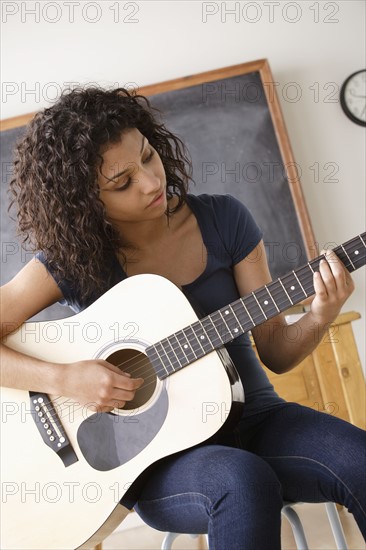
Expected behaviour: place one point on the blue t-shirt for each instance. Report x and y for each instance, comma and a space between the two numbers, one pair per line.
229, 233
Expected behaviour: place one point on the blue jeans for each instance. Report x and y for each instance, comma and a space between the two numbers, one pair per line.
234, 488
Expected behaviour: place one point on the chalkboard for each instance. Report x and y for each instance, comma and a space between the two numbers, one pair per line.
231, 122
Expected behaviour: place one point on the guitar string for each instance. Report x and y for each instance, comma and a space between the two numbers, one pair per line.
149, 380
132, 363
307, 279
134, 366
140, 363
295, 296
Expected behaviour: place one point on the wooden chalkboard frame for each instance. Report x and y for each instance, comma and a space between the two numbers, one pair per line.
262, 67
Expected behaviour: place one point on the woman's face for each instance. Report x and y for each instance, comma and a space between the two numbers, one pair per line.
132, 180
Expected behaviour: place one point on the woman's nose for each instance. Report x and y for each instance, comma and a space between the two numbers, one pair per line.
149, 183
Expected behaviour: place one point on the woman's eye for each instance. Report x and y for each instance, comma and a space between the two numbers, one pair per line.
129, 181
124, 186
152, 152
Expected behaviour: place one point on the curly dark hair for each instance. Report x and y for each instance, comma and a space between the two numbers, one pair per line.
55, 189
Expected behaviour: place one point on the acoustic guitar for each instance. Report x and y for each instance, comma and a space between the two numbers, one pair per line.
65, 467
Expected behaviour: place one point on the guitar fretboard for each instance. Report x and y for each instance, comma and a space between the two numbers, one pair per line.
224, 325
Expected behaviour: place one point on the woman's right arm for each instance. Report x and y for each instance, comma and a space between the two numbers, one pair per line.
90, 381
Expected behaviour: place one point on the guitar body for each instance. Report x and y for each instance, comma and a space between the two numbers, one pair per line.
64, 468
65, 492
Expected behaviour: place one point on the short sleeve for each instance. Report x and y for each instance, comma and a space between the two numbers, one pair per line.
62, 284
240, 231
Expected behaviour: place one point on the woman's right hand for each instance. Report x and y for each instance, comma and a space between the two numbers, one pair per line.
93, 382
99, 384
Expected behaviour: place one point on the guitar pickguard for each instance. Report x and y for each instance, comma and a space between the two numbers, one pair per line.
108, 440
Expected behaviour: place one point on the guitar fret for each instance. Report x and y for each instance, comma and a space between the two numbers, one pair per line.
246, 309
270, 295
156, 362
352, 247
241, 314
214, 325
221, 326
352, 264
168, 365
256, 311
260, 307
280, 296
185, 345
268, 307
307, 279
180, 349
293, 287
286, 292
204, 338
175, 356
166, 343
192, 342
298, 280
196, 355
164, 359
227, 326
211, 331
359, 255
238, 328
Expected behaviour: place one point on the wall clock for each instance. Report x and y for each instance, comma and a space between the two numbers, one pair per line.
353, 97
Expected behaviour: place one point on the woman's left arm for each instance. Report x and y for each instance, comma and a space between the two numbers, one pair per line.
280, 346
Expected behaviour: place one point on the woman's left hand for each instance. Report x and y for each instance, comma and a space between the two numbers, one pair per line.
333, 285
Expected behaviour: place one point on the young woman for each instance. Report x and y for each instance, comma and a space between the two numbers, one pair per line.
101, 191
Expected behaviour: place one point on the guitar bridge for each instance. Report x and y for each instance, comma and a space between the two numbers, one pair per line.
50, 427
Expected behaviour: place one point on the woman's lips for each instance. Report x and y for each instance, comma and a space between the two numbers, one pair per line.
157, 199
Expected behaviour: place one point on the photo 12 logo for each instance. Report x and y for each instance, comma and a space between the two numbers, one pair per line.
38, 92
255, 92
70, 11
267, 172
54, 491
269, 12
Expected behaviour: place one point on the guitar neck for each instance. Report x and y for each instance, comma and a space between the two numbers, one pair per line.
224, 325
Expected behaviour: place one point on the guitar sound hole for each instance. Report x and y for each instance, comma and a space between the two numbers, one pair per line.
138, 366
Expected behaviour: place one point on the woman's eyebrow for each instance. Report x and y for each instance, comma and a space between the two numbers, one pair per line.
115, 176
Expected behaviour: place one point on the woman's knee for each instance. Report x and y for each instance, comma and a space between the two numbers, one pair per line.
217, 472
241, 477
212, 485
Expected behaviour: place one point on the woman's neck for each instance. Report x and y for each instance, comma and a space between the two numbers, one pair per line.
147, 235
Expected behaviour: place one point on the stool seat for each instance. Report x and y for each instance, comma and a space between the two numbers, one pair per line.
297, 528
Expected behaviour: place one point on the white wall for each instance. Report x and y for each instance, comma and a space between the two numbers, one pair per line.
311, 46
